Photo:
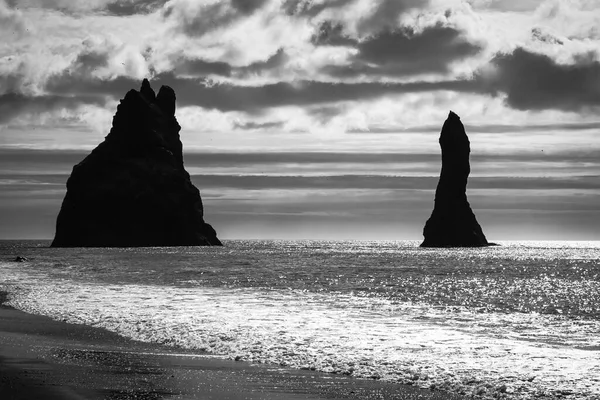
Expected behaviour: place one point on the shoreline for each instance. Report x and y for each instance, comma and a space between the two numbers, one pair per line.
41, 358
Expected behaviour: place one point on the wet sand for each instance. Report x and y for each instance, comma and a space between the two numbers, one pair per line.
45, 359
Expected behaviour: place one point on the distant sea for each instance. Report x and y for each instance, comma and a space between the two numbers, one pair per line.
519, 321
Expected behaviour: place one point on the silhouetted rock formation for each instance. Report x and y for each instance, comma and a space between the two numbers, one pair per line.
147, 91
133, 190
452, 223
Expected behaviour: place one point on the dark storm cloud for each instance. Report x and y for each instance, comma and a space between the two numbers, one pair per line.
332, 34
88, 61
403, 52
14, 104
247, 6
443, 42
12, 82
133, 7
387, 13
529, 81
203, 68
251, 99
116, 7
68, 83
536, 82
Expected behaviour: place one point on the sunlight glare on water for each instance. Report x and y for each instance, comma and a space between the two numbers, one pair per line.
521, 320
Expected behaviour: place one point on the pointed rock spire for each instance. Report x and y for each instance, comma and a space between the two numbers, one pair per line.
165, 100
147, 91
452, 223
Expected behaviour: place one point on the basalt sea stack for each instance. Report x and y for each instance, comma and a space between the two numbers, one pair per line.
452, 223
132, 190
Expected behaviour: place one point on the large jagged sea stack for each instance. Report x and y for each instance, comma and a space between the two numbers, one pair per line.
132, 190
452, 223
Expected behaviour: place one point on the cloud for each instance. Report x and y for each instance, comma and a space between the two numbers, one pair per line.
65, 6
312, 8
252, 99
488, 128
107, 57
13, 105
23, 86
534, 81
505, 5
53, 167
338, 75
88, 61
12, 22
276, 60
247, 6
578, 19
258, 125
331, 34
403, 52
198, 18
82, 7
386, 13
133, 7
528, 81
204, 68
362, 17
11, 82
538, 34
506, 128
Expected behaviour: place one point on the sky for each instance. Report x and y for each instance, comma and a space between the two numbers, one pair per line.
316, 119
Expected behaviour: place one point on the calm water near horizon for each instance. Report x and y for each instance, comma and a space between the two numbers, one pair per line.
518, 321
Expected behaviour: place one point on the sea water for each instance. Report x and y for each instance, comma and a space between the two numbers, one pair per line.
518, 321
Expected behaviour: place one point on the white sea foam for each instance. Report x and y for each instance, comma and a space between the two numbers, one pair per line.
522, 355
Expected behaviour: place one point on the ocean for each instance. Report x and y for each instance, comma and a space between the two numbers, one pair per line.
518, 321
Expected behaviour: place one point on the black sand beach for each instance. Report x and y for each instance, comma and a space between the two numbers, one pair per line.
45, 359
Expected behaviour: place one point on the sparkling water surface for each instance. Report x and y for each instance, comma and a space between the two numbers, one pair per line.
517, 321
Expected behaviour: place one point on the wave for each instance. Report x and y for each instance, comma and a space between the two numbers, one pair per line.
518, 355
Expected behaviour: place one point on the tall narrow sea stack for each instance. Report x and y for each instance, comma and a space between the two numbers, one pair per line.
132, 190
452, 223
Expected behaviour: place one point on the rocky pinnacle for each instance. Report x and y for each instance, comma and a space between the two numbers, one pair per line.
133, 190
452, 223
